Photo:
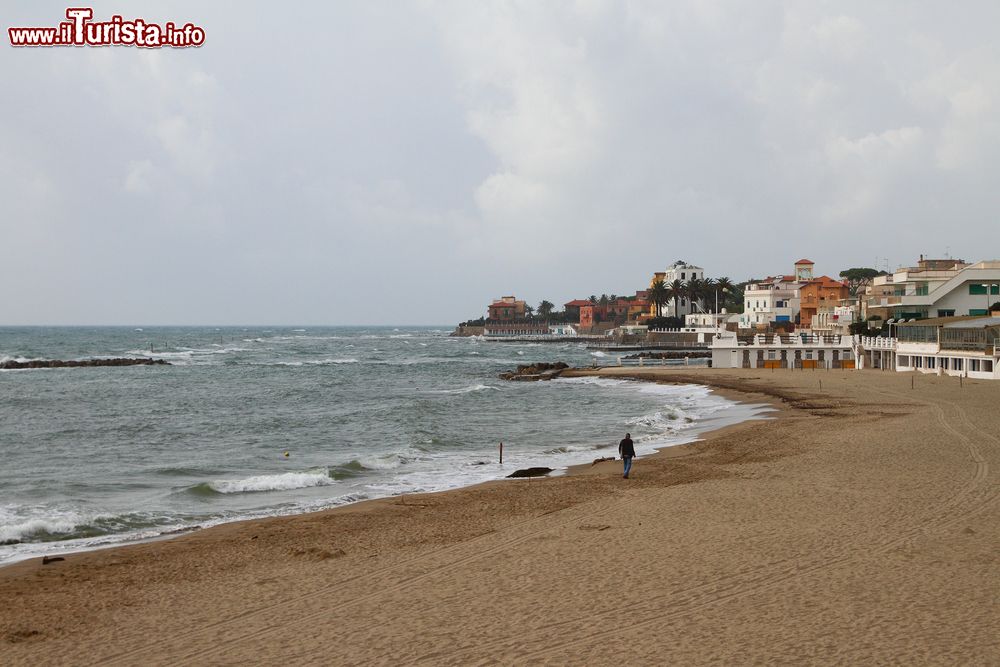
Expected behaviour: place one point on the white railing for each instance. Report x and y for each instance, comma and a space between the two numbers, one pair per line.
797, 340
875, 342
649, 361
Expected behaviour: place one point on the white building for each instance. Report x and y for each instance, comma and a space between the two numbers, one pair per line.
775, 299
797, 350
967, 347
562, 330
836, 319
934, 288
683, 272
707, 320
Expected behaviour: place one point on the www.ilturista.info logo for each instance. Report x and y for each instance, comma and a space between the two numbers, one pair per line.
80, 30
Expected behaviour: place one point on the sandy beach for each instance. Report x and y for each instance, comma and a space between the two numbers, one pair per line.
861, 525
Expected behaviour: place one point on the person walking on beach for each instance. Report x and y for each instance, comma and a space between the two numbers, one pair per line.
627, 451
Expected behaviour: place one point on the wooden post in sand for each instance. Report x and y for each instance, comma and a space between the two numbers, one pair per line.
911, 382
501, 453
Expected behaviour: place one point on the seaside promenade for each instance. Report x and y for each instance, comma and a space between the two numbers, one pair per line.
860, 526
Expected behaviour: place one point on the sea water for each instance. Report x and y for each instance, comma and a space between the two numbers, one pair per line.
103, 455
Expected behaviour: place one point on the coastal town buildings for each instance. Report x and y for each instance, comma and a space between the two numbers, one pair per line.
682, 272
506, 309
638, 306
523, 328
932, 289
946, 346
774, 299
795, 298
573, 307
834, 319
819, 293
796, 350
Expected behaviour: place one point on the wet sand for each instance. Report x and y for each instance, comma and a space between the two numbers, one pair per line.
862, 525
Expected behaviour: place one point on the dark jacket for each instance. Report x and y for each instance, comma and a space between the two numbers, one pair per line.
625, 447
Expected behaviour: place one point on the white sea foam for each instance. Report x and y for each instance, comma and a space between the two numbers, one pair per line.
467, 390
184, 354
313, 362
20, 360
281, 482
19, 523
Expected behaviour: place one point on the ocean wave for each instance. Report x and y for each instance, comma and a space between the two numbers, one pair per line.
353, 468
310, 362
54, 524
466, 390
21, 360
571, 449
286, 481
184, 354
671, 419
40, 528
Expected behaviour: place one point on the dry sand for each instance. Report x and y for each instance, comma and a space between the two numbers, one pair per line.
860, 526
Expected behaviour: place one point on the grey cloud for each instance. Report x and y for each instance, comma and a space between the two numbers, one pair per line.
406, 162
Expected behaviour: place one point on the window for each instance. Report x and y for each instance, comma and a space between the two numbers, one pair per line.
988, 366
978, 311
956, 364
918, 362
944, 363
809, 354
974, 365
979, 288
771, 354
904, 360
682, 278
931, 362
948, 312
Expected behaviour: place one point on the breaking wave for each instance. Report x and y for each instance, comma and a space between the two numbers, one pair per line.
282, 482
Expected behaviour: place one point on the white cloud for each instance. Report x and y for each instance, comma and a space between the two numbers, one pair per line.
138, 176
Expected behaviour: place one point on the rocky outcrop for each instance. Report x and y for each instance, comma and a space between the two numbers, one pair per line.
58, 363
537, 371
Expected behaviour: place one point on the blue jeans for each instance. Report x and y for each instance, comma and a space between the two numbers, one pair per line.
627, 460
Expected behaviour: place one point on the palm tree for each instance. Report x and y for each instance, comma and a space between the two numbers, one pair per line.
693, 291
708, 290
658, 295
545, 308
604, 300
725, 286
528, 311
676, 291
593, 299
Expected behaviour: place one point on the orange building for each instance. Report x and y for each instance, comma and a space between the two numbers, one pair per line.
817, 293
507, 308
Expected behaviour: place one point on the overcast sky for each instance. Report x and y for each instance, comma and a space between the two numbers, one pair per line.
405, 163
